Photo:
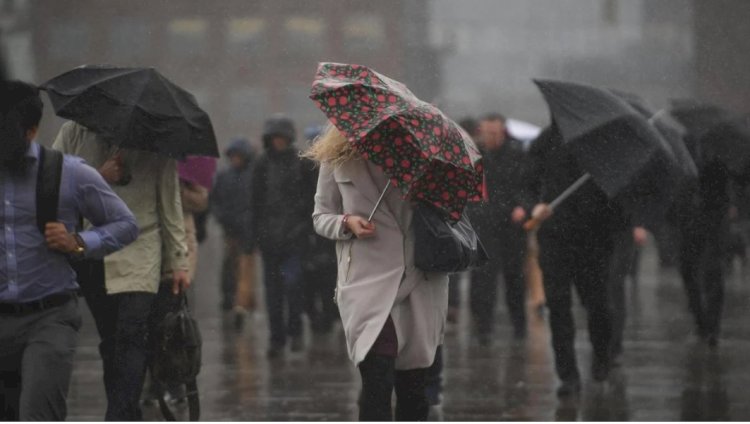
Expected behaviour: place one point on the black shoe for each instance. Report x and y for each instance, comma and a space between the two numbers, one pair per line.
275, 351
568, 389
599, 370
297, 344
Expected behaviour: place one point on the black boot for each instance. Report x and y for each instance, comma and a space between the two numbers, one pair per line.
377, 373
411, 396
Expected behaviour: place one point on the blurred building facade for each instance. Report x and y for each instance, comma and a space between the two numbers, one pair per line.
492, 50
242, 59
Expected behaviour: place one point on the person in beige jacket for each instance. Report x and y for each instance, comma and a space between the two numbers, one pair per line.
148, 183
393, 313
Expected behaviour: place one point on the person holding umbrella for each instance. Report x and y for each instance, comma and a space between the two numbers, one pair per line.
393, 313
598, 169
134, 152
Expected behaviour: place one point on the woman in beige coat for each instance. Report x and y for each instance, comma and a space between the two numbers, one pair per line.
393, 313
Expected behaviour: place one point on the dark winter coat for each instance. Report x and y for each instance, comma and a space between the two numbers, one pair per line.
283, 201
230, 202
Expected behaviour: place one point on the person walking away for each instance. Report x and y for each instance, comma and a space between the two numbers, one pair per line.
701, 214
319, 266
393, 314
230, 202
39, 315
281, 205
121, 305
576, 247
498, 222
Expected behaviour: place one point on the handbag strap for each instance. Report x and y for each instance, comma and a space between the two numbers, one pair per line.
193, 400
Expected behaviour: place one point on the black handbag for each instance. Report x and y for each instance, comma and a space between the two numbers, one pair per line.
176, 343
441, 246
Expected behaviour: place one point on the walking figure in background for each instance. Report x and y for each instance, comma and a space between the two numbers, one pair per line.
39, 315
282, 197
230, 203
498, 221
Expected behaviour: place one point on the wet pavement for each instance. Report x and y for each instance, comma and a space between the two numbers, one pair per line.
666, 373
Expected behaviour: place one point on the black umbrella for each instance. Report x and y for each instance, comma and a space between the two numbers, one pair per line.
670, 130
614, 144
717, 134
134, 108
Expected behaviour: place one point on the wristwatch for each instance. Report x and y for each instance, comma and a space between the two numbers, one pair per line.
80, 246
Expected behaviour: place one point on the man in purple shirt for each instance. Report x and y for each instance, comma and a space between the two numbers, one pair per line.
39, 316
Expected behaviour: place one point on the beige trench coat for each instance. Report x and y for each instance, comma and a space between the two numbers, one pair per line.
376, 276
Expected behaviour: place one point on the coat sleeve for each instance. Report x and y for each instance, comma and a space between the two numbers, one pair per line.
327, 216
174, 239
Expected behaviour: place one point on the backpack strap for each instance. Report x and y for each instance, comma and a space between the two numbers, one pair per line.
48, 180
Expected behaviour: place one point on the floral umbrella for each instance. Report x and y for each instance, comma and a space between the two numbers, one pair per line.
423, 152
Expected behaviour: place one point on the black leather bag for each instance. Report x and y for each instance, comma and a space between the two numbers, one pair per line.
176, 343
444, 247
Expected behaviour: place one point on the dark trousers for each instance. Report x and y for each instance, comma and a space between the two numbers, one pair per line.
434, 379
284, 296
379, 379
701, 254
122, 322
229, 269
622, 264
36, 362
584, 266
320, 286
507, 251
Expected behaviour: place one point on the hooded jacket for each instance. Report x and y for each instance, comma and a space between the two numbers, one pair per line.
231, 196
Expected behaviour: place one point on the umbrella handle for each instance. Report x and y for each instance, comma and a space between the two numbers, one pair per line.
535, 223
380, 200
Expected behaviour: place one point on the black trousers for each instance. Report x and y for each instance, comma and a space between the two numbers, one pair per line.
584, 266
122, 321
379, 379
507, 250
284, 296
701, 255
36, 362
621, 265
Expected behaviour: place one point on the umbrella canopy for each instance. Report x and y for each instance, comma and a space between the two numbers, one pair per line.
670, 130
625, 155
427, 155
134, 108
717, 133
197, 170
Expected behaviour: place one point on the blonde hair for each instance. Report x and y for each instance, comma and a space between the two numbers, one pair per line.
331, 148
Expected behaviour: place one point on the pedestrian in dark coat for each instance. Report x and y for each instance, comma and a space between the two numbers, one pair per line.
230, 203
282, 202
576, 246
701, 214
498, 222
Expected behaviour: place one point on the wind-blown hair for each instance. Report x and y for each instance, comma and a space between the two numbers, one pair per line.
331, 148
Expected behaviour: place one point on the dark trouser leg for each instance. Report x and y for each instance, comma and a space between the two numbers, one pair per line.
483, 296
591, 284
291, 273
326, 291
130, 355
229, 270
512, 256
434, 379
10, 380
690, 260
274, 285
48, 364
411, 400
557, 288
378, 375
622, 260
713, 287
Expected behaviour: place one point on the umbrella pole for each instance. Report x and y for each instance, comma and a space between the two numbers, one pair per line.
534, 223
380, 200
